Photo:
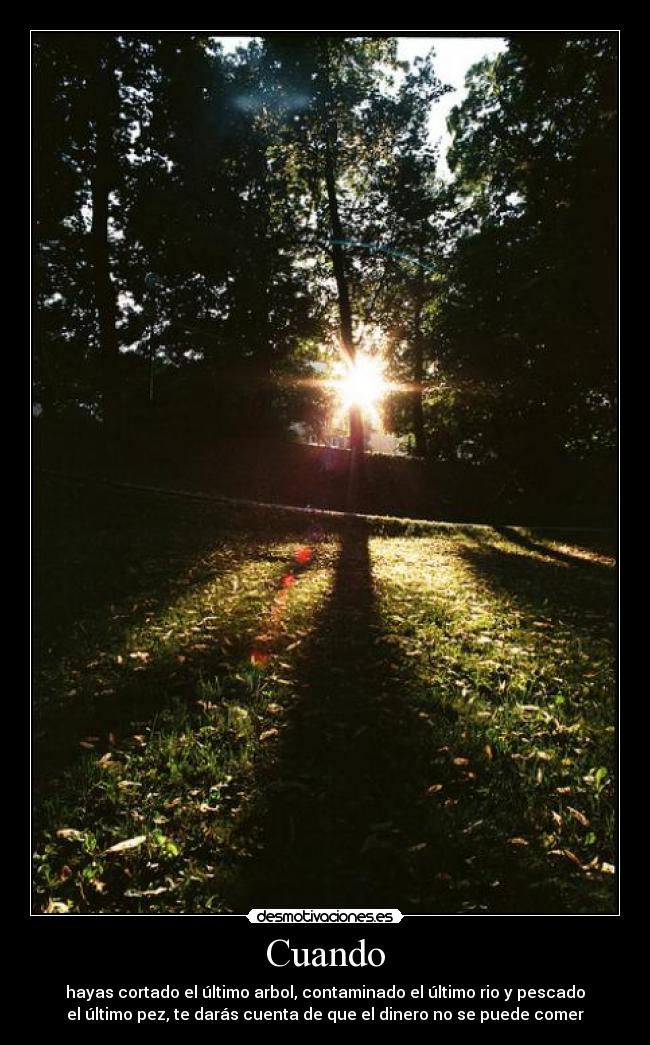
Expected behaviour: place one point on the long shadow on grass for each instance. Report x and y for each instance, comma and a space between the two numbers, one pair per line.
328, 827
110, 562
96, 549
589, 543
569, 584
362, 800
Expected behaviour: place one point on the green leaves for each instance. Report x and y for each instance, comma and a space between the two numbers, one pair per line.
536, 195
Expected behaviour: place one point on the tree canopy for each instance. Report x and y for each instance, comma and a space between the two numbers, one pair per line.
212, 230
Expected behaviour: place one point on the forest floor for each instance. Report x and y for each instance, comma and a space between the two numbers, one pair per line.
238, 707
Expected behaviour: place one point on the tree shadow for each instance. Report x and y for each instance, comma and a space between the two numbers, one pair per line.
361, 800
371, 793
99, 561
325, 827
96, 548
588, 542
568, 584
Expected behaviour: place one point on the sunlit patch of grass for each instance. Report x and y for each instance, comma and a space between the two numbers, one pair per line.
167, 792
166, 789
503, 655
528, 693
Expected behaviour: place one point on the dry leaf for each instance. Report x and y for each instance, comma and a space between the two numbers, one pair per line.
568, 855
147, 892
57, 907
129, 843
577, 815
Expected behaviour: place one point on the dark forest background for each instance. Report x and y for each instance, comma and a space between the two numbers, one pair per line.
189, 211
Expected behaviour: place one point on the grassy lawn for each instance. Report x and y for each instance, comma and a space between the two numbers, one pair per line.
238, 708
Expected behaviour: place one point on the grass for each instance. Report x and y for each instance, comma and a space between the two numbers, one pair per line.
238, 708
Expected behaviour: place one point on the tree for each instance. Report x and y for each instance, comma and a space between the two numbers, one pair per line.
155, 156
87, 100
528, 323
404, 224
330, 94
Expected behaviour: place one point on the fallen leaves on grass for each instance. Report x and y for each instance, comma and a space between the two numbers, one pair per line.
534, 694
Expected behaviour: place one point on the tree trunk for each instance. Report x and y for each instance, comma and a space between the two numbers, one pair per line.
264, 360
418, 362
105, 91
418, 377
357, 440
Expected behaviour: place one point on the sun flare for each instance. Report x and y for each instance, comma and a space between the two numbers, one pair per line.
363, 384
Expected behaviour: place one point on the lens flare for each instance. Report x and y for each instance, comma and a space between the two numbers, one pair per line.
363, 384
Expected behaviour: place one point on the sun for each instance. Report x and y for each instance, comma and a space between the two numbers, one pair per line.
363, 384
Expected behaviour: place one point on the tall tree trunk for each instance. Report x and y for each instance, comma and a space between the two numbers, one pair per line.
357, 441
262, 309
105, 93
418, 359
264, 358
418, 413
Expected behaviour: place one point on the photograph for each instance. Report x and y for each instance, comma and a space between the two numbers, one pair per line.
324, 461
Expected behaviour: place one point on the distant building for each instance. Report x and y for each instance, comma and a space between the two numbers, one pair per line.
376, 442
